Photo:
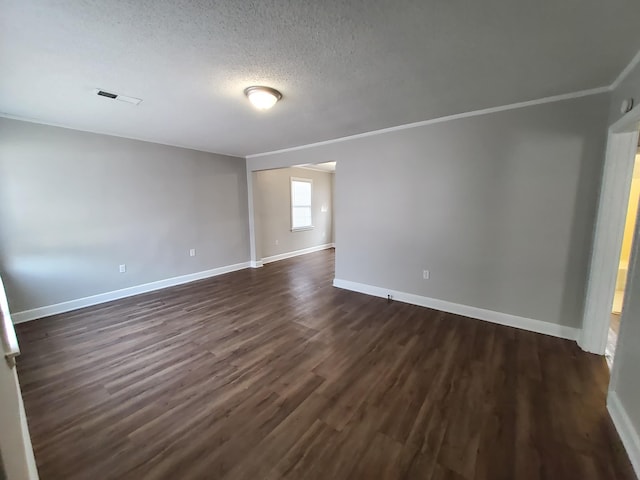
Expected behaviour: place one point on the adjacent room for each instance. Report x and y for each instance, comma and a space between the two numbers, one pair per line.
293, 210
319, 240
631, 216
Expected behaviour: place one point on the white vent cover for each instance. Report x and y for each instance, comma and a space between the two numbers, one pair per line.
117, 96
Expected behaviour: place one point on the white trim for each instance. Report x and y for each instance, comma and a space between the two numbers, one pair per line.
9, 340
555, 98
530, 324
311, 166
624, 426
623, 74
63, 307
622, 145
473, 113
302, 229
256, 263
251, 209
295, 253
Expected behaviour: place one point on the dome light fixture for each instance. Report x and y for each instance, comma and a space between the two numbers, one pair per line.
263, 98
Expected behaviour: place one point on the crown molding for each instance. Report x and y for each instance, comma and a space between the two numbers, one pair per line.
627, 70
448, 118
474, 113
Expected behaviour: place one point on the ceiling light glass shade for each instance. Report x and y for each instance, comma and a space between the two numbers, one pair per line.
263, 98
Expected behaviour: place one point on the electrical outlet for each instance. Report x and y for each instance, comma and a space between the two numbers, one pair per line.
192, 252
425, 274
123, 268
277, 242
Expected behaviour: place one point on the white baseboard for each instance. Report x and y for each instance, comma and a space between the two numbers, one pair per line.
295, 253
628, 434
523, 323
48, 310
255, 263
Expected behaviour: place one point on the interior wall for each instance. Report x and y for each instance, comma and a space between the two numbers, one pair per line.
272, 191
76, 205
625, 376
499, 207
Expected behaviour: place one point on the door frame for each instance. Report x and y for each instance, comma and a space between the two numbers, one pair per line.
622, 145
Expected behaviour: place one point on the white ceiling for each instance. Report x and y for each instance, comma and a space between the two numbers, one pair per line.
344, 67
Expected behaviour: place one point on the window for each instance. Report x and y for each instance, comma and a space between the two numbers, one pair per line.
301, 204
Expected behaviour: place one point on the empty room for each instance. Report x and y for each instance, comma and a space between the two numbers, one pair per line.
319, 240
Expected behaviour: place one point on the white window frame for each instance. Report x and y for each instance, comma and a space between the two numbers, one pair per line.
310, 182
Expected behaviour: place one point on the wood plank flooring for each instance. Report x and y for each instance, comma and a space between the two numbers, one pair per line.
275, 374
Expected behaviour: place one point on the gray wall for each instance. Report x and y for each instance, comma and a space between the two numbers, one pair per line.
500, 207
272, 194
75, 205
627, 358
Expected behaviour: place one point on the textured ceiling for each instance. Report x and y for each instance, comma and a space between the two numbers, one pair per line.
344, 67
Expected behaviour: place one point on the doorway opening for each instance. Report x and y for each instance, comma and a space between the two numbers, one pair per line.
623, 263
292, 211
622, 148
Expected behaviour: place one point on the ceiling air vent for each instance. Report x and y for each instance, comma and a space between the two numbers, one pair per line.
117, 96
102, 93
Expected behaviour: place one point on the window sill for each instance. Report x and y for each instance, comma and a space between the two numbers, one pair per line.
302, 229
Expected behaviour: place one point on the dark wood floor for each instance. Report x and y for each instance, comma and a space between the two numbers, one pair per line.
273, 373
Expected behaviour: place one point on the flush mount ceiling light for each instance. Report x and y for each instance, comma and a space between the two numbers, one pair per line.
263, 98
